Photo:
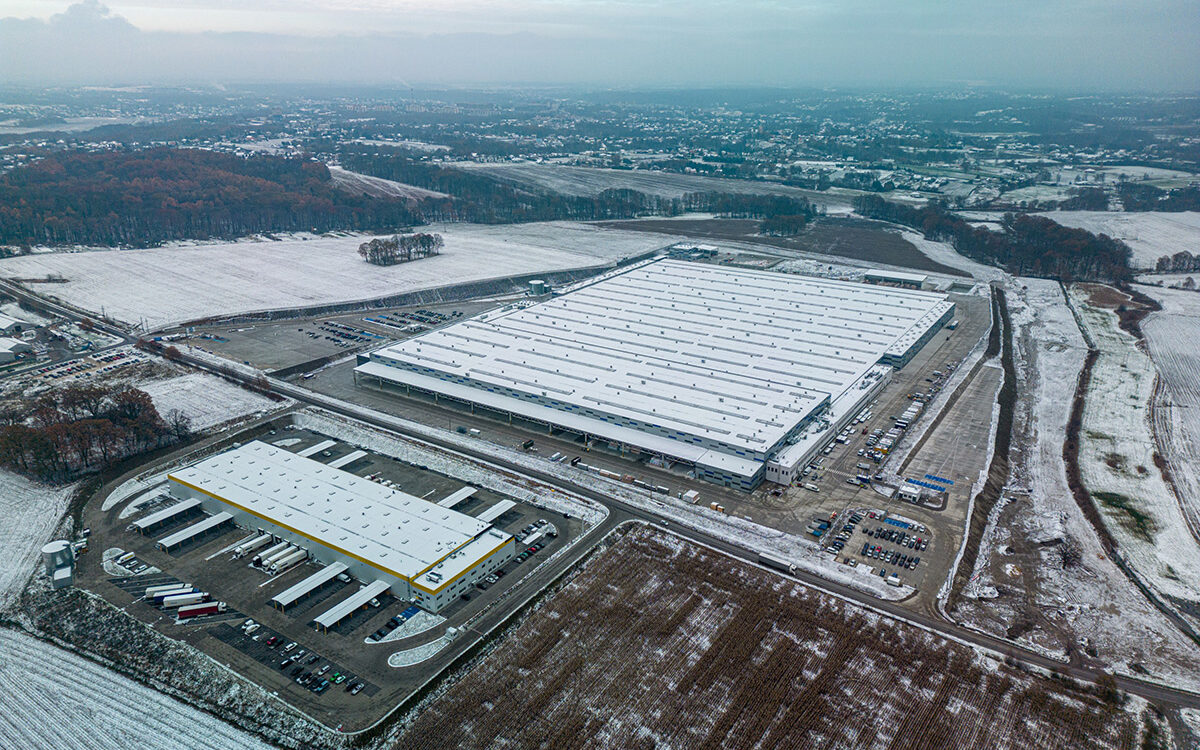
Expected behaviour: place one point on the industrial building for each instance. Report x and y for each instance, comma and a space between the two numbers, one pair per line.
715, 367
414, 548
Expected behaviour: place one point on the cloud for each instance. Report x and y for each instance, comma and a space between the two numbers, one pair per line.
1042, 43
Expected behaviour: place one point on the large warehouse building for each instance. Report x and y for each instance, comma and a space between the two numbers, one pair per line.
720, 368
422, 551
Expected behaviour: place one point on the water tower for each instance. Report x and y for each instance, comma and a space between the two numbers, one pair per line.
58, 557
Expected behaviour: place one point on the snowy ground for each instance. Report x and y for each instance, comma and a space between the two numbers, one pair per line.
175, 284
55, 699
1090, 601
1171, 336
424, 652
1116, 457
415, 625
353, 182
1150, 235
943, 253
29, 513
207, 399
591, 181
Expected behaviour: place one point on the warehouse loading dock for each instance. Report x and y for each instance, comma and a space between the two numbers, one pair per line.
456, 498
160, 517
168, 543
302, 589
497, 510
313, 450
347, 459
717, 368
378, 532
331, 617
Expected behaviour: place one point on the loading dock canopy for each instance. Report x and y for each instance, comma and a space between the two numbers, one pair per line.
165, 514
196, 529
497, 510
314, 449
349, 458
308, 585
341, 611
451, 500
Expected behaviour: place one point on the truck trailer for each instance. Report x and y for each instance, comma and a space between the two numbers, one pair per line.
252, 545
162, 596
195, 610
269, 561
288, 560
775, 562
258, 559
154, 591
181, 600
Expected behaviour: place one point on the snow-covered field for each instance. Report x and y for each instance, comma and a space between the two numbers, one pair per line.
56, 699
29, 513
1116, 461
175, 284
1171, 336
1090, 601
207, 399
591, 181
943, 253
1150, 235
354, 182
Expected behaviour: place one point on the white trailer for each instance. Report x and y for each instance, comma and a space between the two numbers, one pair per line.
287, 561
262, 556
252, 545
184, 599
269, 561
154, 591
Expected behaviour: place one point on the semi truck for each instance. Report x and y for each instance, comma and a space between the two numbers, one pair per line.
205, 608
774, 562
162, 596
258, 559
154, 591
270, 558
288, 560
252, 545
180, 600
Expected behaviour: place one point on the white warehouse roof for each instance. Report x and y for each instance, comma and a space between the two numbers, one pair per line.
729, 355
390, 530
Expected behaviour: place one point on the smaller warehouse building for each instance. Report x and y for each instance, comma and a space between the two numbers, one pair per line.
421, 551
10, 348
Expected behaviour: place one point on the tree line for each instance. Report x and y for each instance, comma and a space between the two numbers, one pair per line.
1180, 262
1139, 197
131, 198
79, 429
400, 248
1025, 245
483, 199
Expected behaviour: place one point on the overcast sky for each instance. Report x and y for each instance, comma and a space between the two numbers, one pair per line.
1090, 44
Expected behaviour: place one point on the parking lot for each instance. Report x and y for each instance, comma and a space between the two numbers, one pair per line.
277, 345
888, 544
356, 650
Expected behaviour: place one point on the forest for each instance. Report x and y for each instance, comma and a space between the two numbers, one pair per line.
140, 198
78, 429
483, 199
1026, 246
1137, 197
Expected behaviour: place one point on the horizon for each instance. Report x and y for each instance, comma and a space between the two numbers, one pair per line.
661, 45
